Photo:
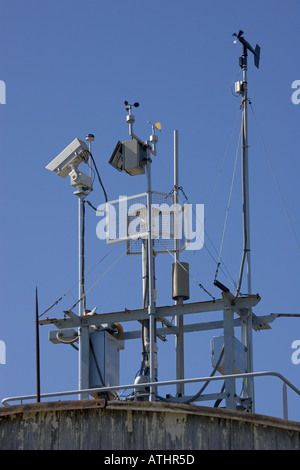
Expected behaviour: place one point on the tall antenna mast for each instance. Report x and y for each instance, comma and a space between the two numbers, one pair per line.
242, 88
149, 326
179, 338
246, 326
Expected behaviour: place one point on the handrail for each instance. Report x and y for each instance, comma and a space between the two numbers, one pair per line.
163, 383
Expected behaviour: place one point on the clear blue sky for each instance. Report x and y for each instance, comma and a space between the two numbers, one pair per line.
68, 67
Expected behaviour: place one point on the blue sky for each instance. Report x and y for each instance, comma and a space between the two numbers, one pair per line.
68, 67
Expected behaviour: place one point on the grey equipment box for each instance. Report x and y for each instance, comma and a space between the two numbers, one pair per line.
104, 359
134, 154
217, 343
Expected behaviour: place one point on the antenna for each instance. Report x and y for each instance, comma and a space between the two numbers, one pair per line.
37, 349
246, 327
242, 89
90, 138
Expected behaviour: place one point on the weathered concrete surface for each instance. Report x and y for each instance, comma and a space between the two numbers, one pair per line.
95, 424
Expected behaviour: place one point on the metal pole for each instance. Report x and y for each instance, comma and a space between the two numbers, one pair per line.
246, 205
229, 358
90, 138
246, 332
145, 323
83, 331
145, 273
151, 306
284, 398
38, 388
179, 345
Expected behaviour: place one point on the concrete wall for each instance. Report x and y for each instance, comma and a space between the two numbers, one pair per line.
95, 424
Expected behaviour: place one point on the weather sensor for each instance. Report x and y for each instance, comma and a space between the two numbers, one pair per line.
129, 156
246, 46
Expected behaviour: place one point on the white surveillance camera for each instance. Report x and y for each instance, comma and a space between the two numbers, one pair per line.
69, 158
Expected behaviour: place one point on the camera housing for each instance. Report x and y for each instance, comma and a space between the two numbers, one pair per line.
76, 153
80, 181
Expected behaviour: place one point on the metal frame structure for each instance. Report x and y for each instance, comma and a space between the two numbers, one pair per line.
229, 304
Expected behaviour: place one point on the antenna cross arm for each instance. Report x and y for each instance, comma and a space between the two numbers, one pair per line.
242, 309
258, 323
230, 303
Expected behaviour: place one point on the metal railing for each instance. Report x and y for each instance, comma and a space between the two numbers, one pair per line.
286, 383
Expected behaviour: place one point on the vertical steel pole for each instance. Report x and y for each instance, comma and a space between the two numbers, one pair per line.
229, 358
246, 204
83, 330
284, 401
246, 331
151, 305
37, 341
179, 344
145, 323
90, 138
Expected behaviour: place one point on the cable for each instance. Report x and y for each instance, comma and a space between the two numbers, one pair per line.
228, 206
275, 178
201, 287
91, 205
99, 178
194, 398
104, 274
96, 363
228, 275
74, 285
217, 402
223, 163
296, 315
98, 280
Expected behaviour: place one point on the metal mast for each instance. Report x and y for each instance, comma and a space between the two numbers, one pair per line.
149, 325
84, 337
151, 301
179, 341
242, 88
